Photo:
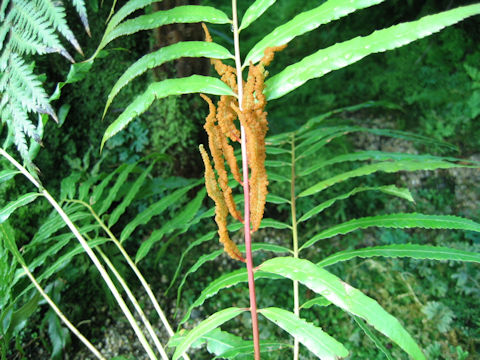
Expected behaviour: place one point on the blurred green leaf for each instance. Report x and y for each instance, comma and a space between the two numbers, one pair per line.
312, 337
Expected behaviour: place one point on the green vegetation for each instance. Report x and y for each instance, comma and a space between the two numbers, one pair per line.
369, 243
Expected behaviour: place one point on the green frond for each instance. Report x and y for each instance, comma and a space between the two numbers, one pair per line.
56, 15
29, 27
32, 23
25, 86
19, 43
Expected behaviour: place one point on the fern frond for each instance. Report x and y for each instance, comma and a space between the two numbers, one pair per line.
18, 42
56, 15
32, 23
25, 87
29, 27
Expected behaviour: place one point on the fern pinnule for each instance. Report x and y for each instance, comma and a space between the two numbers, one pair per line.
82, 13
221, 210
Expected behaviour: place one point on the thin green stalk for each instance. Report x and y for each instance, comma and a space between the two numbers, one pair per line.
135, 303
296, 302
134, 268
90, 254
59, 313
246, 192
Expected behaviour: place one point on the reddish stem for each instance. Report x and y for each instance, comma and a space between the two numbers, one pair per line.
246, 192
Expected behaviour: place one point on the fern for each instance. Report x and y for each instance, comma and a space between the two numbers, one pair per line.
30, 27
294, 153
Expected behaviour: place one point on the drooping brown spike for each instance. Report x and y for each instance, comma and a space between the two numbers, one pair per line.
221, 211
258, 182
226, 117
216, 139
228, 73
208, 38
269, 54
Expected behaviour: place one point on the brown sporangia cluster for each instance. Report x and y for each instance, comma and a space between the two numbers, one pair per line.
221, 129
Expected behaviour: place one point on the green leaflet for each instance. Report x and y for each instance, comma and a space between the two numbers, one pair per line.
85, 187
389, 189
60, 262
275, 150
245, 350
274, 199
20, 316
204, 238
204, 327
254, 11
277, 177
315, 139
222, 340
98, 191
212, 256
224, 281
201, 260
314, 145
179, 14
158, 90
344, 296
6, 175
113, 192
277, 163
218, 341
372, 337
168, 53
180, 220
370, 155
305, 22
68, 186
274, 224
127, 200
204, 258
55, 223
124, 11
405, 250
345, 53
154, 210
314, 338
397, 221
365, 105
389, 167
228, 346
319, 301
23, 200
